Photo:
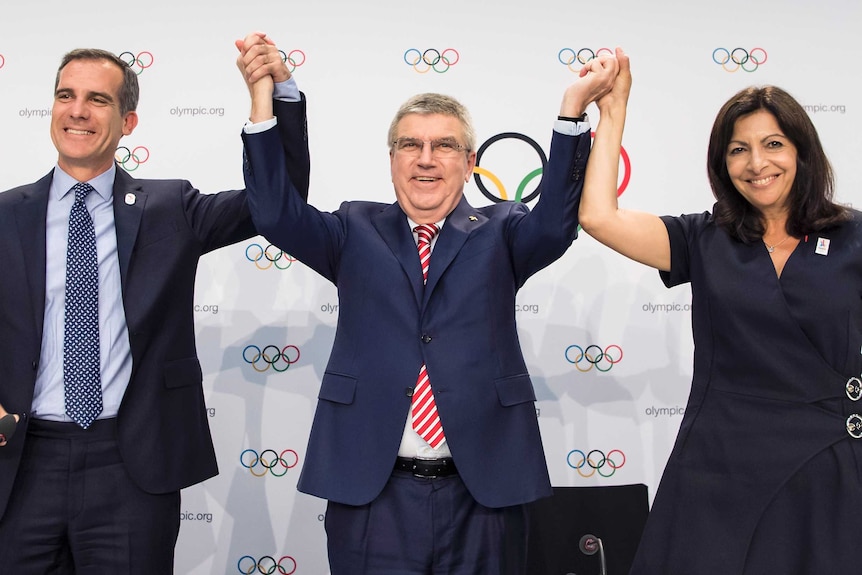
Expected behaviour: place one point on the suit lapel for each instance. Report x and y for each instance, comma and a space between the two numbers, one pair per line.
457, 228
392, 225
30, 217
129, 202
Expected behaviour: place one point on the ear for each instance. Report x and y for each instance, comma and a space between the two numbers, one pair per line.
471, 163
130, 122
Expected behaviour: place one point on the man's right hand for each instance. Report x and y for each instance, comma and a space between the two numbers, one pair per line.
261, 65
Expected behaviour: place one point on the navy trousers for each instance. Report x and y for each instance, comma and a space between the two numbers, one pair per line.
75, 511
421, 526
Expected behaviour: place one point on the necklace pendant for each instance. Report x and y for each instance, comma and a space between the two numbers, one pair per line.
770, 249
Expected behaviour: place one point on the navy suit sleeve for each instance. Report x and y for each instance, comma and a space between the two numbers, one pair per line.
543, 235
293, 131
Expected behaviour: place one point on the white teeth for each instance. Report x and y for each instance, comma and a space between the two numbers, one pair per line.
78, 132
427, 179
763, 181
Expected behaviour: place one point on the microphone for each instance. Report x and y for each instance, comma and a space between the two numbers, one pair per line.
7, 427
589, 545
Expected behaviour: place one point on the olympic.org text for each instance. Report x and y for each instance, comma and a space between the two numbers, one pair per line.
666, 307
35, 113
654, 411
189, 516
816, 108
196, 111
213, 309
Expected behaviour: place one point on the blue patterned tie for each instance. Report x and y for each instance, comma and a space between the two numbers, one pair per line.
81, 373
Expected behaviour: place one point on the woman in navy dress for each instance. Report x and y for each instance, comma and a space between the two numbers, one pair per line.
764, 477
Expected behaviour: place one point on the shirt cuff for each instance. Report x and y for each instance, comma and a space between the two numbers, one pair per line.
287, 91
252, 128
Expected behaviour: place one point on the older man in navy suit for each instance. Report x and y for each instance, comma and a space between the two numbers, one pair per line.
97, 342
425, 440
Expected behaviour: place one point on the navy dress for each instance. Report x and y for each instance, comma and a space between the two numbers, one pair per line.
765, 476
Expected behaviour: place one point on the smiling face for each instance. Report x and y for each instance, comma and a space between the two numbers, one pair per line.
429, 186
761, 162
86, 123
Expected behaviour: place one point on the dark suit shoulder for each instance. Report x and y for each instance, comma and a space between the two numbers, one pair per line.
13, 195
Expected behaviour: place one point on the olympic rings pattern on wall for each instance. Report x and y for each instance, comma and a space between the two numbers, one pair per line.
521, 195
131, 160
293, 58
265, 258
266, 565
268, 464
748, 60
594, 356
138, 63
596, 461
570, 57
431, 59
270, 356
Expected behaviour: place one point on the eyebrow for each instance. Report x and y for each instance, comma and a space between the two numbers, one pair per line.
764, 138
90, 94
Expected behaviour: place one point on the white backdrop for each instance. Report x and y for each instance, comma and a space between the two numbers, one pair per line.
509, 63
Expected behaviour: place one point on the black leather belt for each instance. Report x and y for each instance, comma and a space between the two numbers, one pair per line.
426, 467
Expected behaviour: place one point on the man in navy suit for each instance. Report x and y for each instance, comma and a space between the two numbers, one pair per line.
425, 441
103, 495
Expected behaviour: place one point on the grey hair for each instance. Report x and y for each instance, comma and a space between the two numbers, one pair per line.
431, 103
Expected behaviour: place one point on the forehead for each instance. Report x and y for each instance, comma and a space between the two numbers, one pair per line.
99, 75
429, 126
758, 123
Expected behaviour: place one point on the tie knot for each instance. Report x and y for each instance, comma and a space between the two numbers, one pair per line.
81, 190
426, 232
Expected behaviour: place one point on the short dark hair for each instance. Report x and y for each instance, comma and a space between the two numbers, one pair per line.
811, 205
129, 90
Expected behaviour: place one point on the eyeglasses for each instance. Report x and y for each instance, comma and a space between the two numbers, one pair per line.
442, 148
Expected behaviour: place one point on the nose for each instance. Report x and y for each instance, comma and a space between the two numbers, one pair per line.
426, 156
78, 108
757, 160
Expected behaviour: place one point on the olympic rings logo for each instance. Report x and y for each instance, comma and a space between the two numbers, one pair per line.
131, 160
266, 257
270, 356
266, 565
137, 63
521, 195
431, 59
569, 57
739, 58
292, 58
602, 360
275, 464
587, 464
2, 61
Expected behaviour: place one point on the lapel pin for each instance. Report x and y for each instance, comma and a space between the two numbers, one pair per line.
130, 199
472, 218
822, 246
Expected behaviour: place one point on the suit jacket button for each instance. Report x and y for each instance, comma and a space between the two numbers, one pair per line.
426, 338
408, 392
35, 365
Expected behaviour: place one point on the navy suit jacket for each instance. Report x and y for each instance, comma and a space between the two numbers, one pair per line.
162, 422
461, 324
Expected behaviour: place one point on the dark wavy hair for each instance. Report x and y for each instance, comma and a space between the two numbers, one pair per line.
129, 89
811, 205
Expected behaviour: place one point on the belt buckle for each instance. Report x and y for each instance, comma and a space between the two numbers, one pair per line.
416, 461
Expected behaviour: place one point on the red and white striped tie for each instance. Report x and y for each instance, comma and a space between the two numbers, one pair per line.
426, 421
